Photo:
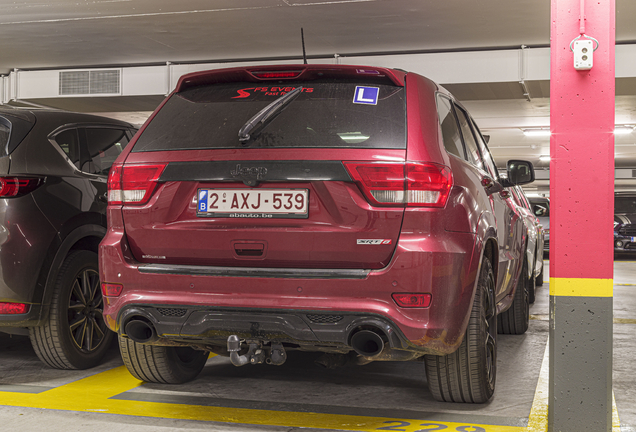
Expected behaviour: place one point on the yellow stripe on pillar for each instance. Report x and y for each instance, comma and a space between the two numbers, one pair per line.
581, 287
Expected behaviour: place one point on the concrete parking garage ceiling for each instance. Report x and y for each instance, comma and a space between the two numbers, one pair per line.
63, 33
60, 34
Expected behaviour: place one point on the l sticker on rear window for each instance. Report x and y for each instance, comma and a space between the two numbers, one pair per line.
366, 95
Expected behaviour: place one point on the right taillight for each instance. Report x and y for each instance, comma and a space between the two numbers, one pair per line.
132, 184
11, 187
411, 184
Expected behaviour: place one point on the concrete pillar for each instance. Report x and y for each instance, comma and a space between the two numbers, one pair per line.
581, 217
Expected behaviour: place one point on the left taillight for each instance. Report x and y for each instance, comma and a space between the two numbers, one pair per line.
411, 184
17, 186
133, 184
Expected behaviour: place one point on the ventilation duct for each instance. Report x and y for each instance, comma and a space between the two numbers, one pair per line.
94, 82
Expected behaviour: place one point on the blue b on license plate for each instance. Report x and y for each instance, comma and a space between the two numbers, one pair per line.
253, 203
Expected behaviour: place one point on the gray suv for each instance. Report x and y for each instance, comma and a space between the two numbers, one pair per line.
53, 171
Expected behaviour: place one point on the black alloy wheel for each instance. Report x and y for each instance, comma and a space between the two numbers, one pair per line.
490, 326
75, 336
86, 311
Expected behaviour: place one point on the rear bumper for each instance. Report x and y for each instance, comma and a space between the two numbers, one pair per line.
624, 243
219, 301
212, 326
26, 237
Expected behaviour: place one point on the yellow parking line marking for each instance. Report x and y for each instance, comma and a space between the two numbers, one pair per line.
624, 321
538, 421
624, 284
93, 394
615, 320
87, 394
616, 423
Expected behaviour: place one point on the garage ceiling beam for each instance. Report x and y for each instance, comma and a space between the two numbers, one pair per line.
452, 68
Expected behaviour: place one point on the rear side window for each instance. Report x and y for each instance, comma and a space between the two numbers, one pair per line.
13, 129
103, 145
471, 146
69, 143
488, 160
332, 114
450, 131
5, 131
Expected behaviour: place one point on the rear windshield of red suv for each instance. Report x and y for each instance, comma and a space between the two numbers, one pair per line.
332, 114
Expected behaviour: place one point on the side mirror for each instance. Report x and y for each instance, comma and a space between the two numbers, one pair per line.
519, 172
539, 210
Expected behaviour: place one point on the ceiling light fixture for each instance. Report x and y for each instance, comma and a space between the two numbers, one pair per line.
623, 129
544, 158
537, 132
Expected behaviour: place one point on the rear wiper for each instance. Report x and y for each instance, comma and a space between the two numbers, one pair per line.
267, 114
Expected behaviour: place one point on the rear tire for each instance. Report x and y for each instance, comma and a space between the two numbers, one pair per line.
516, 319
160, 364
75, 335
469, 374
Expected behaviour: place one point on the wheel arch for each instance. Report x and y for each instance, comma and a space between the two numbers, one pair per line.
85, 237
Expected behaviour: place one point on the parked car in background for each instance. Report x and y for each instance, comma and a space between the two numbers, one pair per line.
625, 222
535, 241
541, 209
53, 171
354, 211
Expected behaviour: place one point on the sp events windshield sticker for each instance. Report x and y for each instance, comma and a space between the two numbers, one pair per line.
267, 91
366, 95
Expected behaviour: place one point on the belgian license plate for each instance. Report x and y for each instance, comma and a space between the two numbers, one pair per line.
253, 203
633, 239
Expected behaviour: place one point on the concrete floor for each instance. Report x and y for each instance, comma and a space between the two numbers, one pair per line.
299, 394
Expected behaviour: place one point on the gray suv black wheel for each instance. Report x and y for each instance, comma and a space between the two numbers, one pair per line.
75, 335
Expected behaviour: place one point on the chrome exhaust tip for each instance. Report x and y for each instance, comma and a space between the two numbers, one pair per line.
141, 331
367, 343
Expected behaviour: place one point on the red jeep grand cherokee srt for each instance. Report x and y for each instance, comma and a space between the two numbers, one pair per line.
354, 211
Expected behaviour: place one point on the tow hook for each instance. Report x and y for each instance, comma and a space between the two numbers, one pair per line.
256, 353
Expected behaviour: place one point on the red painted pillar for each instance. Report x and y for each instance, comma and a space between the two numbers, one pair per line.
581, 219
